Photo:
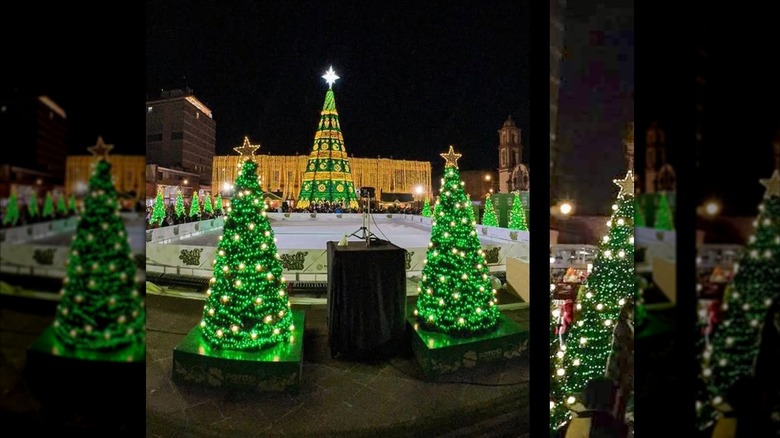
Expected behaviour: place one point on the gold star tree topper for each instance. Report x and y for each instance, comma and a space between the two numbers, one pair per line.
451, 157
100, 149
626, 185
772, 185
247, 151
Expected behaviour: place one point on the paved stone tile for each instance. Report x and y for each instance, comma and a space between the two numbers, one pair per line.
204, 413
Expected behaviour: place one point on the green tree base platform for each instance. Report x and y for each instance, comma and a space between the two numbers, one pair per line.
438, 353
277, 368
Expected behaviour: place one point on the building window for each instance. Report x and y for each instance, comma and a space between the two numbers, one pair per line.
154, 137
197, 115
177, 135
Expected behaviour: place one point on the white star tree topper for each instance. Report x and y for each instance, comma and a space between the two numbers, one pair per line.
330, 77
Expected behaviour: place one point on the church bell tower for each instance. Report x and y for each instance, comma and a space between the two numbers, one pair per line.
510, 151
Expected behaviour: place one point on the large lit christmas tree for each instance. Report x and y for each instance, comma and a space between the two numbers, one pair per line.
48, 206
179, 205
517, 216
195, 206
158, 213
328, 176
456, 296
608, 287
489, 215
663, 216
426, 211
730, 356
246, 305
101, 307
11, 215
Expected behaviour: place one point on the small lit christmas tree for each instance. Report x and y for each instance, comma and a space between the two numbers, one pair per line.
179, 206
207, 204
246, 305
218, 203
456, 296
72, 205
101, 307
158, 213
426, 211
32, 206
11, 215
639, 217
62, 208
48, 206
663, 216
607, 288
195, 206
517, 216
730, 356
489, 215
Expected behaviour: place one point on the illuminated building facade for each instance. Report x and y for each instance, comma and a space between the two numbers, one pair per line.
284, 174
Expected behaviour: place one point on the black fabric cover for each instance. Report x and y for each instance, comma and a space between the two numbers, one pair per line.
366, 300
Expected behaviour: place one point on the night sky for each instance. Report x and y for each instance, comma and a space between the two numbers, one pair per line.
741, 108
415, 78
596, 101
91, 65
739, 98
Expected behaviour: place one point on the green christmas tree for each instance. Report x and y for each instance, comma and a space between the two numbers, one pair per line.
426, 211
207, 204
195, 206
32, 206
62, 208
639, 217
517, 217
610, 284
11, 210
489, 216
179, 206
328, 176
246, 305
158, 213
48, 206
456, 296
218, 203
101, 306
72, 205
663, 216
730, 356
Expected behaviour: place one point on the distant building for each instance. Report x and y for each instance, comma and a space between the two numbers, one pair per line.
180, 133
659, 175
127, 172
284, 174
512, 173
35, 129
170, 181
478, 183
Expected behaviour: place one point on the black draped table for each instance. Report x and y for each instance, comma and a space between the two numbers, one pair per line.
366, 300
